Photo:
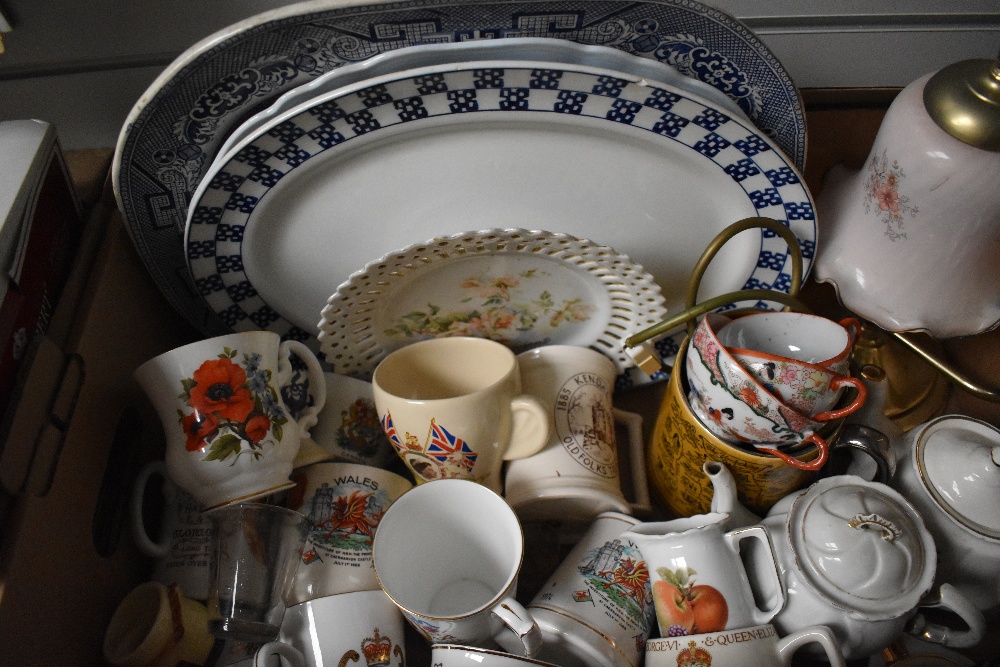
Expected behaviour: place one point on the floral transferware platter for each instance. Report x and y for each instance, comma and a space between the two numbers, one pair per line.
174, 130
531, 49
359, 172
523, 288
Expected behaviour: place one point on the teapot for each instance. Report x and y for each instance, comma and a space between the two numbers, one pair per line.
855, 556
949, 469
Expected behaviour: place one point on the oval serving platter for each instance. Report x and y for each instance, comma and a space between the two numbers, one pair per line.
175, 128
643, 168
523, 288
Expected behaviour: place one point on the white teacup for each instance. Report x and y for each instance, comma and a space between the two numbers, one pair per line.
363, 628
576, 476
230, 437
456, 655
802, 336
453, 408
344, 503
757, 645
448, 553
183, 548
596, 609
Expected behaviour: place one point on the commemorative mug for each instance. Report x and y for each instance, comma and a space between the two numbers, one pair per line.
361, 627
680, 445
757, 645
448, 554
348, 425
698, 579
156, 624
575, 477
453, 408
184, 546
596, 609
344, 503
230, 437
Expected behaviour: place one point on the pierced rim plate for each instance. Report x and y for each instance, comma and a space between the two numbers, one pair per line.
175, 128
523, 288
354, 174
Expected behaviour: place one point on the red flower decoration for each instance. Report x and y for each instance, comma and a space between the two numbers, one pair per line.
257, 428
199, 428
219, 390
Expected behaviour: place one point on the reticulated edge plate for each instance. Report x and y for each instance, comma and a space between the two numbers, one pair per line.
638, 167
523, 288
175, 128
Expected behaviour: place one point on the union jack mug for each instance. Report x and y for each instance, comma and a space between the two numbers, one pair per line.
453, 409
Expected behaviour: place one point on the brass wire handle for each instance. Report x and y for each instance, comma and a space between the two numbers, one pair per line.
692, 311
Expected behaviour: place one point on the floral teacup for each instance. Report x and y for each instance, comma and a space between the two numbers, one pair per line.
735, 407
811, 389
230, 436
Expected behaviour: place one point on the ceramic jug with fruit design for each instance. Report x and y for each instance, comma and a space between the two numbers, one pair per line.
698, 580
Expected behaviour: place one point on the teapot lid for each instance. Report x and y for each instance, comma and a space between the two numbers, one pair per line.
958, 459
862, 546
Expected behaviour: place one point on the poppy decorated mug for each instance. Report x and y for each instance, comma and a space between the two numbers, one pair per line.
230, 436
453, 408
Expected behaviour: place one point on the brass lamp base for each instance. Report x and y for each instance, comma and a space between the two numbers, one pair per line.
917, 391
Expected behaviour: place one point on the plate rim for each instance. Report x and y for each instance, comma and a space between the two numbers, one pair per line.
152, 222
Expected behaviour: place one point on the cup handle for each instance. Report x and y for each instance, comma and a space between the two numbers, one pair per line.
815, 464
733, 538
637, 461
145, 543
859, 400
286, 654
530, 429
950, 598
819, 634
520, 634
317, 383
850, 323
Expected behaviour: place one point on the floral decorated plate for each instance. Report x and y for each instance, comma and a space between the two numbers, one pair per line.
531, 49
519, 287
359, 172
175, 129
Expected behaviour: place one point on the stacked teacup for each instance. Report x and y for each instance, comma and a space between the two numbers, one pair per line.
772, 380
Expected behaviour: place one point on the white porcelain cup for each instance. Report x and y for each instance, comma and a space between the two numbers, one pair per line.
271, 654
359, 628
344, 503
802, 336
575, 477
699, 582
448, 553
456, 655
757, 645
596, 609
183, 548
453, 408
230, 437
348, 425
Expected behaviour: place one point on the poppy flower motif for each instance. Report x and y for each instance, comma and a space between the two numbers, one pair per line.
198, 428
219, 389
232, 404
